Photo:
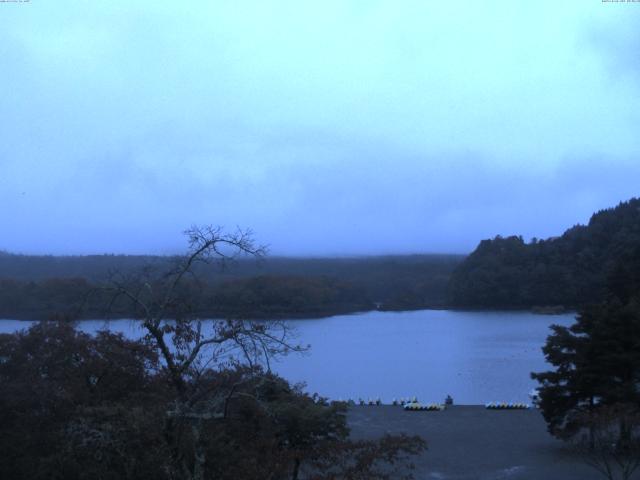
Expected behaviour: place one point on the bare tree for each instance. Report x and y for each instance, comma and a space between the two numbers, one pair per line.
164, 302
165, 305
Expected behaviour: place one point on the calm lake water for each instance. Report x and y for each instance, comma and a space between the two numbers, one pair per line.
475, 357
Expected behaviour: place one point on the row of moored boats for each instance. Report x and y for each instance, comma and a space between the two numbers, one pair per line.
412, 404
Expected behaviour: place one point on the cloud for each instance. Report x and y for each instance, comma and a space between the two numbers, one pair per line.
333, 127
616, 40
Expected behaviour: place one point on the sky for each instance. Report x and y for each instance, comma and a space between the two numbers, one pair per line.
345, 127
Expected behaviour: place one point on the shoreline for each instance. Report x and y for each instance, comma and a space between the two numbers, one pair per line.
316, 315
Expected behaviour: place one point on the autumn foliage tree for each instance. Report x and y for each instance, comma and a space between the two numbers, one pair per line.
77, 406
67, 397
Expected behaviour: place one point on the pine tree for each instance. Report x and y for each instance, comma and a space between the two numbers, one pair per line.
597, 364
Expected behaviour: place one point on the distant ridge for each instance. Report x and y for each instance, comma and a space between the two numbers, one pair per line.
33, 287
571, 270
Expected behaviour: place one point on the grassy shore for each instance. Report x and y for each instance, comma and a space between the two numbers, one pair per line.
470, 442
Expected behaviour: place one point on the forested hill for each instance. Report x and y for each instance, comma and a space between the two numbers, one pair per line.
46, 286
572, 270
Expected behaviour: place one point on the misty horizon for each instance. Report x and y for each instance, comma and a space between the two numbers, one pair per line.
341, 128
270, 253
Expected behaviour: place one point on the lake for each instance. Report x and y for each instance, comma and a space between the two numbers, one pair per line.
476, 357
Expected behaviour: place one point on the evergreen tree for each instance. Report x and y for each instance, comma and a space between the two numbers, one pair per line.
597, 364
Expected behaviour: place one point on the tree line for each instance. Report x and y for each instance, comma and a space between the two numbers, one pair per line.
41, 287
255, 297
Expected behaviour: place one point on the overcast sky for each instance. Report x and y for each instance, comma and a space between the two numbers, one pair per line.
329, 127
